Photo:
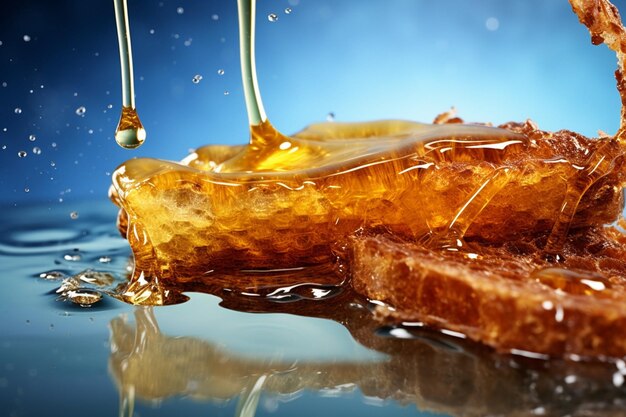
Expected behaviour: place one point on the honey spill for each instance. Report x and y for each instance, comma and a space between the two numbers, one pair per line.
287, 201
130, 133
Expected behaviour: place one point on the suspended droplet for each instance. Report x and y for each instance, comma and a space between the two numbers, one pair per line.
220, 72
272, 17
18, 110
74, 215
37, 150
32, 138
196, 78
130, 132
81, 111
22, 154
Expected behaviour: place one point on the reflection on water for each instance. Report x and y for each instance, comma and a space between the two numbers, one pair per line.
313, 349
434, 372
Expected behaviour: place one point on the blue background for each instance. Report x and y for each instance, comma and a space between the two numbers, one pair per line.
362, 60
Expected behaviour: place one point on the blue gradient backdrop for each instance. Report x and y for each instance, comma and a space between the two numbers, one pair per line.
362, 60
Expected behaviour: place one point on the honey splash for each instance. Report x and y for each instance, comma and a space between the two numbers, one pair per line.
130, 133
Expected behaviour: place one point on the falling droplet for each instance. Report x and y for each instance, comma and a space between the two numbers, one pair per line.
272, 17
32, 138
130, 133
81, 111
18, 110
220, 72
22, 154
74, 215
196, 78
180, 10
37, 150
288, 10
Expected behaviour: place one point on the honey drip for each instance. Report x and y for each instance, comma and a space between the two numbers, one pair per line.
130, 133
290, 201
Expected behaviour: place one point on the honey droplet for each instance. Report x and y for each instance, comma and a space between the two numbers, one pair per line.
130, 133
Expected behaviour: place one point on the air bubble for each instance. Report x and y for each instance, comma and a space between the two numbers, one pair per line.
53, 164
188, 42
152, 31
226, 92
330, 117
196, 78
492, 24
215, 17
18, 110
32, 138
22, 154
272, 17
104, 259
220, 72
26, 38
74, 215
81, 111
37, 150
180, 10
27, 190
288, 10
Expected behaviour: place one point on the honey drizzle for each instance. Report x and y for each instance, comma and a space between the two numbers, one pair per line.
254, 104
130, 132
